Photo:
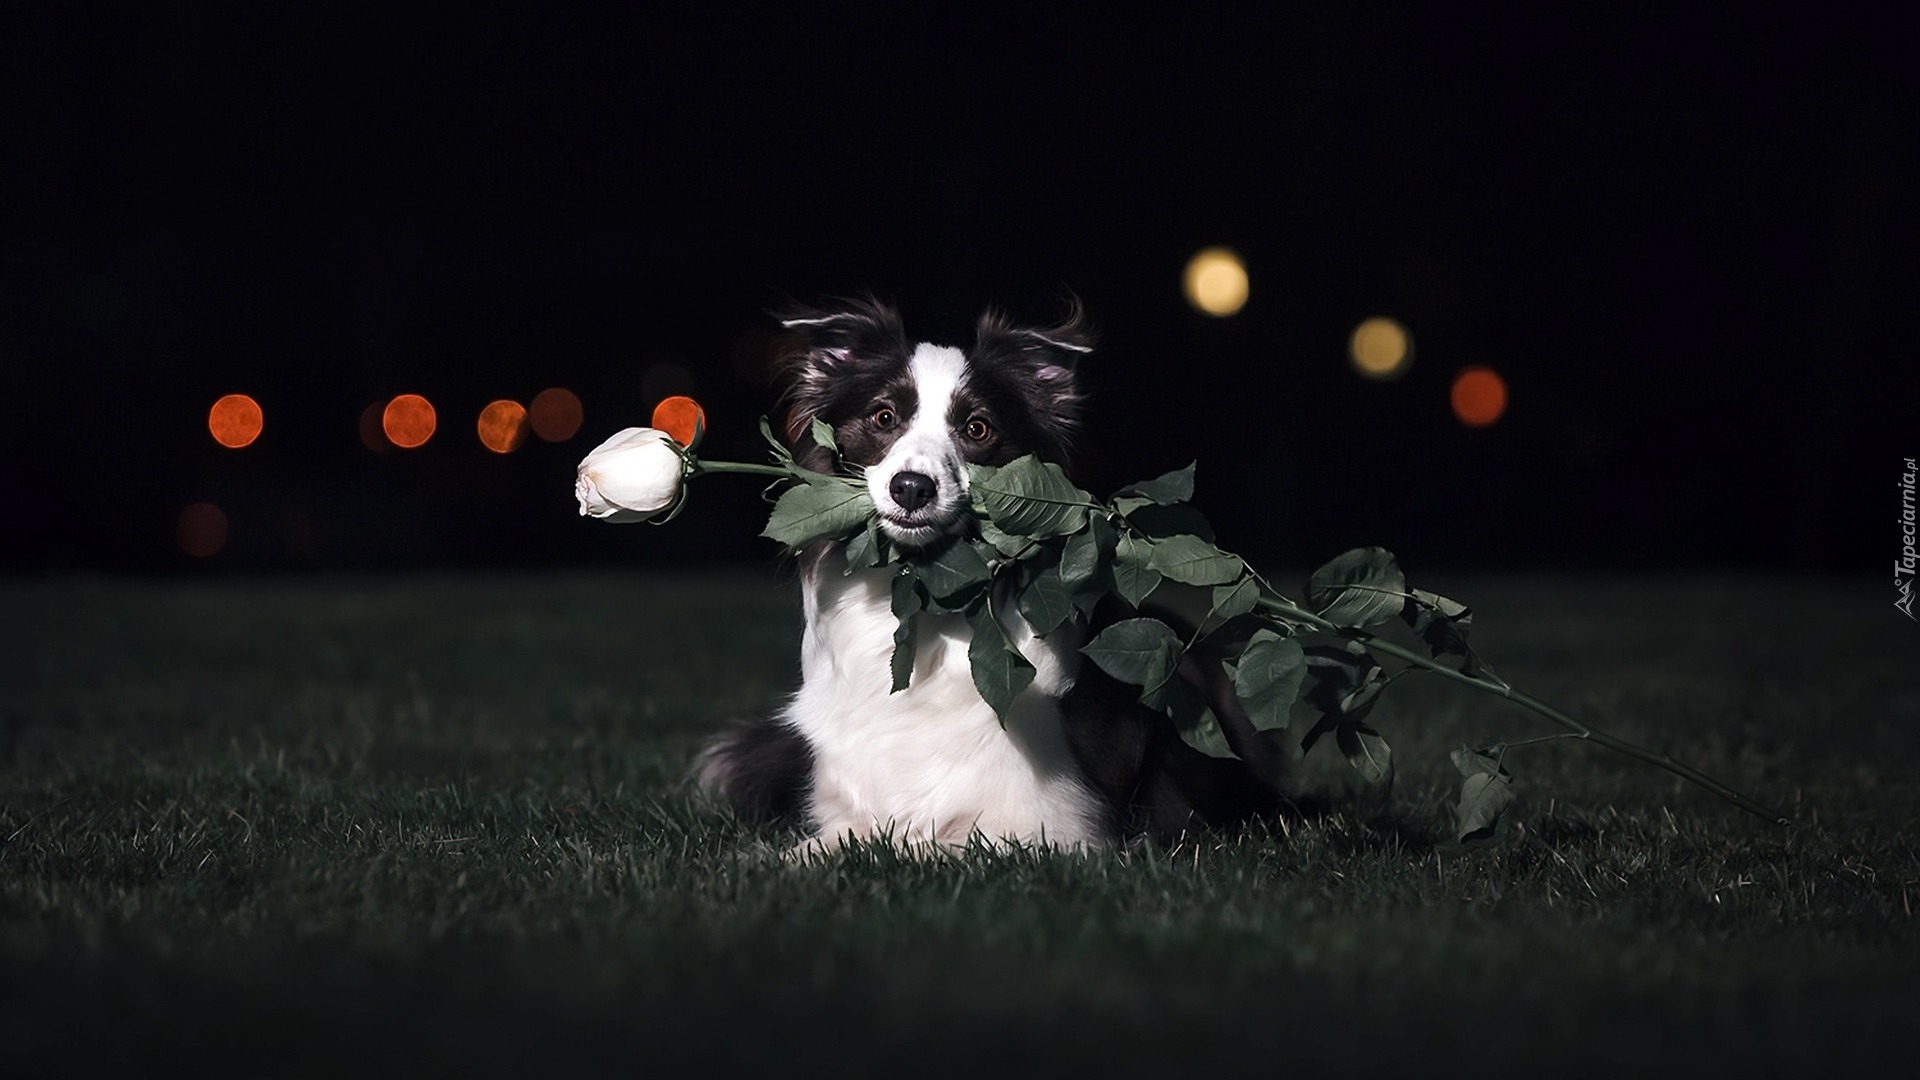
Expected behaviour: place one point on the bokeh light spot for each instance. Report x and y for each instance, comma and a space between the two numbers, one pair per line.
503, 426
235, 421
371, 436
556, 414
202, 530
409, 421
682, 419
1380, 349
1216, 281
1479, 396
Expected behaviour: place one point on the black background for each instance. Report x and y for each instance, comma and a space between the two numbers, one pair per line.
1683, 240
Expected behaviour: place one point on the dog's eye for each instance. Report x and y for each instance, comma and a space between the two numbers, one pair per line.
978, 429
885, 418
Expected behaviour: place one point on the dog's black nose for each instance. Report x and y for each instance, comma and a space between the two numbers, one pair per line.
911, 490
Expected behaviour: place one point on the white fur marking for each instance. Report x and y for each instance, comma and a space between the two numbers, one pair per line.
931, 763
937, 371
927, 448
1062, 344
821, 321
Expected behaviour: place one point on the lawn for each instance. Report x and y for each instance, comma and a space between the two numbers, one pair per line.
436, 826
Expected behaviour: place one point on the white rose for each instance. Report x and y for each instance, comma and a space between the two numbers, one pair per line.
630, 477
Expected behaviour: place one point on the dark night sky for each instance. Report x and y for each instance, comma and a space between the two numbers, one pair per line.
1683, 240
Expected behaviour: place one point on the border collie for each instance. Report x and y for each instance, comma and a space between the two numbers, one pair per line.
1078, 761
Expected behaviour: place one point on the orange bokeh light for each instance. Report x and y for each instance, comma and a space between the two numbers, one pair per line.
408, 420
556, 414
681, 418
503, 426
235, 421
202, 530
1479, 396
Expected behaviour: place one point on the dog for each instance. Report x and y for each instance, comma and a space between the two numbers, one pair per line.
1078, 762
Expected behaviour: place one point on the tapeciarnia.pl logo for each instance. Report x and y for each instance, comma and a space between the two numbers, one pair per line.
1903, 566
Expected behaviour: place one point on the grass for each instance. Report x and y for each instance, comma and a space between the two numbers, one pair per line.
436, 826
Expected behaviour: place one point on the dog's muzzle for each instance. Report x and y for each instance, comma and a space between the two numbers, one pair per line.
912, 490
916, 508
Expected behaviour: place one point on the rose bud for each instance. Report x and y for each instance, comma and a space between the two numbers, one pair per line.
631, 477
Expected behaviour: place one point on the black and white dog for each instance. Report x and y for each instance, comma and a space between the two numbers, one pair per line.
1078, 761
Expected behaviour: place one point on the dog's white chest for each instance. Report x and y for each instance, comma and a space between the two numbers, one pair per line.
931, 762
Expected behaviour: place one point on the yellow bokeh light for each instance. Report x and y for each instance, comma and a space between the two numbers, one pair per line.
1216, 281
1380, 349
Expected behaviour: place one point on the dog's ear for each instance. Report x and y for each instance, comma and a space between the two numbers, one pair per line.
1064, 342
822, 342
1046, 355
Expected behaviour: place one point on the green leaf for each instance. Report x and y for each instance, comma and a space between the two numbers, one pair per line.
1029, 497
1085, 563
1482, 807
1046, 603
1127, 504
1358, 702
1267, 678
1359, 588
815, 511
1484, 794
863, 550
906, 606
780, 451
1191, 717
1174, 487
1080, 558
1006, 543
1475, 762
1442, 606
1442, 623
823, 435
1208, 739
1483, 799
1143, 652
1235, 598
1366, 751
999, 672
1134, 577
1233, 635
1186, 707
955, 573
1163, 522
1195, 561
1343, 683
1320, 727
